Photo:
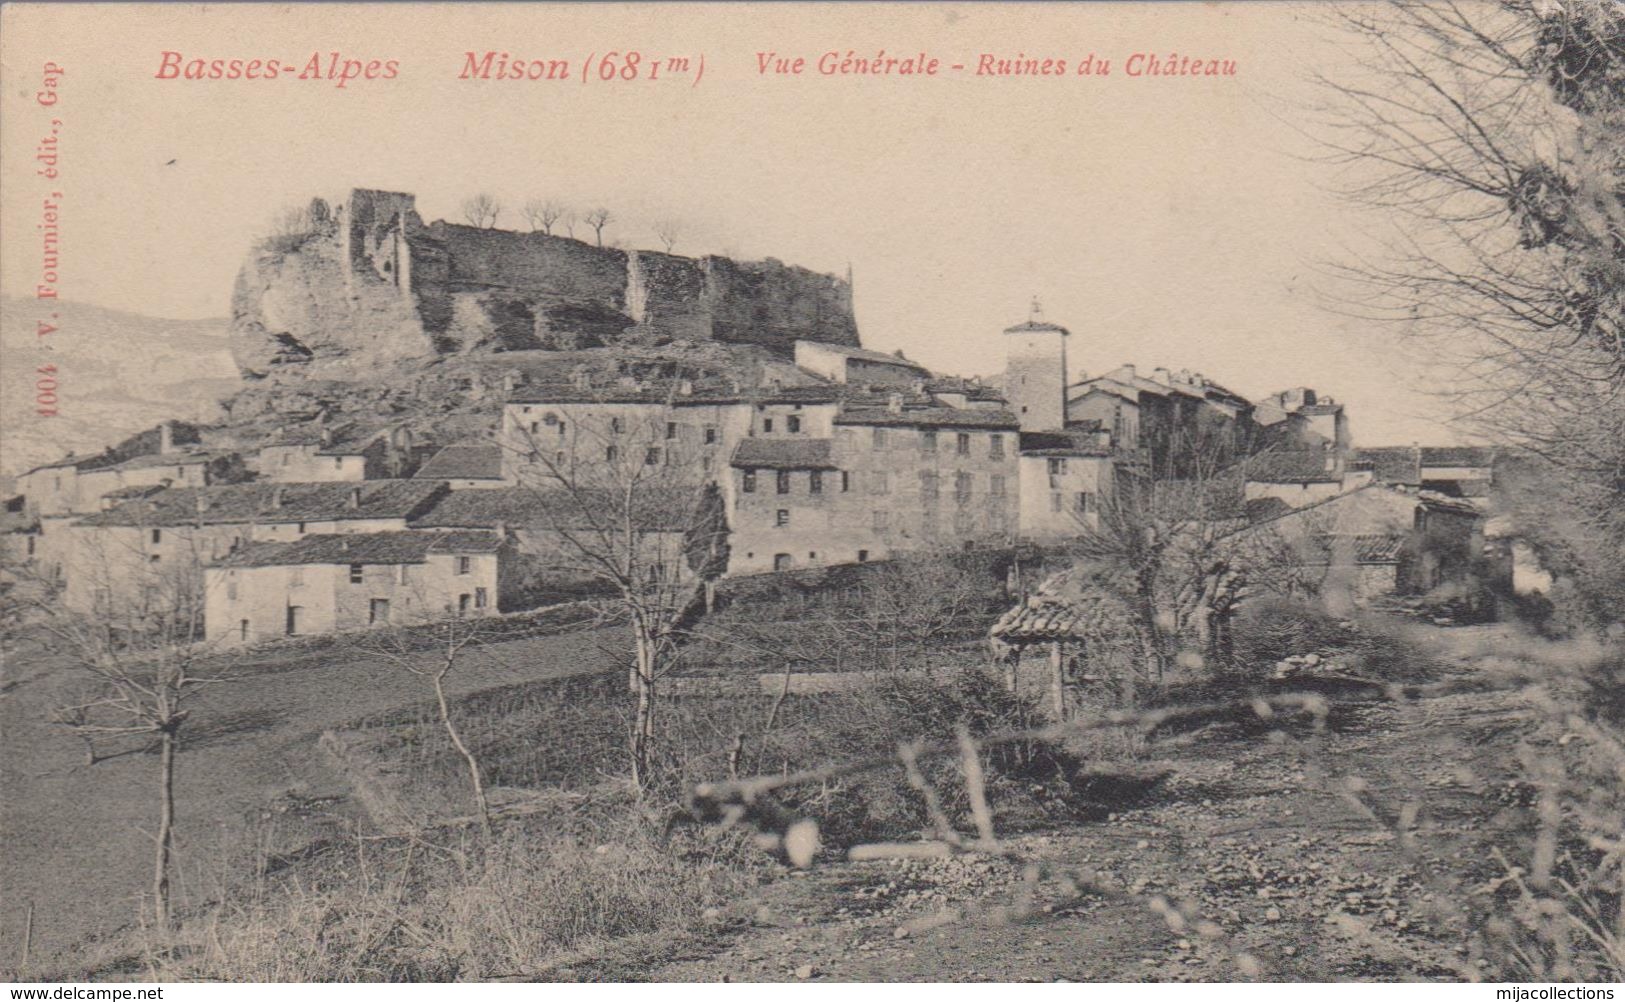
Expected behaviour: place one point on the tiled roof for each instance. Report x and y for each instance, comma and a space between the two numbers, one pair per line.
657, 509
1320, 409
352, 440
1101, 384
363, 548
271, 502
1064, 609
700, 392
783, 454
1035, 325
164, 459
464, 461
1264, 509
929, 417
866, 354
972, 390
1457, 455
1301, 467
1071, 442
1395, 464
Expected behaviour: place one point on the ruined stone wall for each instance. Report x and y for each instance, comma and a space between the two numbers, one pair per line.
375, 285
773, 304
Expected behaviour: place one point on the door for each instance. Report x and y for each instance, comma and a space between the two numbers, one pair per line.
378, 611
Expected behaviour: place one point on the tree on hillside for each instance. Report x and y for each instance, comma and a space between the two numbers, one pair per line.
668, 232
624, 503
434, 652
598, 219
139, 664
1489, 137
543, 214
482, 210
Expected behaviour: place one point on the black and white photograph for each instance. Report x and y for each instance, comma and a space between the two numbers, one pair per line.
817, 493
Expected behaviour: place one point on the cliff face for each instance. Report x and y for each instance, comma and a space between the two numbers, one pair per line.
373, 284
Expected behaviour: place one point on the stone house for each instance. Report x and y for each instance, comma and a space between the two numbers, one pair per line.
340, 583
112, 557
466, 466
1064, 477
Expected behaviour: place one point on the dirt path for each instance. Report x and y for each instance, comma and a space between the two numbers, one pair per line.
1283, 843
75, 836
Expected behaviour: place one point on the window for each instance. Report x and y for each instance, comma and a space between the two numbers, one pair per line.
962, 444
284, 463
815, 482
928, 440
651, 457
710, 434
962, 523
406, 576
705, 464
481, 599
880, 438
535, 426
356, 573
231, 589
879, 483
962, 487
781, 561
767, 424
155, 558
781, 518
1057, 467
995, 446
463, 601
846, 481
995, 485
296, 576
863, 556
338, 461
31, 542
928, 487
295, 616
882, 520
561, 429
1085, 502
671, 430
301, 528
812, 555
157, 535
783, 481
242, 630
792, 424
378, 611
1055, 502
616, 426
749, 484
611, 453
465, 565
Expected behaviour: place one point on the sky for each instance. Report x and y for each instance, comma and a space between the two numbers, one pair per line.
1173, 221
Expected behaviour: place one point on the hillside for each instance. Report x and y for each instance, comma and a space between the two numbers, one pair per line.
118, 373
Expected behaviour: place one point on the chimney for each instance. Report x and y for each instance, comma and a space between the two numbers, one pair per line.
919, 387
276, 497
327, 437
166, 437
1128, 368
685, 388
894, 403
509, 380
580, 378
355, 497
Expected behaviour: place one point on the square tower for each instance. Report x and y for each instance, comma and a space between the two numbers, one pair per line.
1035, 374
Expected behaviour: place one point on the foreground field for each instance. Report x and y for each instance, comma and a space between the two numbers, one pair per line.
75, 835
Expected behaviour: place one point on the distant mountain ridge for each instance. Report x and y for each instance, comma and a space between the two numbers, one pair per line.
117, 373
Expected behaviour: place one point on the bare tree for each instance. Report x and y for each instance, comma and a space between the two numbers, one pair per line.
482, 210
621, 499
543, 214
598, 219
668, 231
1485, 140
568, 219
434, 652
140, 662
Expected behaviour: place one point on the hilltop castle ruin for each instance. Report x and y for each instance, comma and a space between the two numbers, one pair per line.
372, 283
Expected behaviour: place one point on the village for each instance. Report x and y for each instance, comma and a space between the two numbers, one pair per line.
847, 457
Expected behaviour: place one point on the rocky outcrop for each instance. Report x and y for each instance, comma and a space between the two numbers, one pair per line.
371, 284
296, 302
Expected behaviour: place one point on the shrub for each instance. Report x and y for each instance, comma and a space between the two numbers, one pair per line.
1267, 630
